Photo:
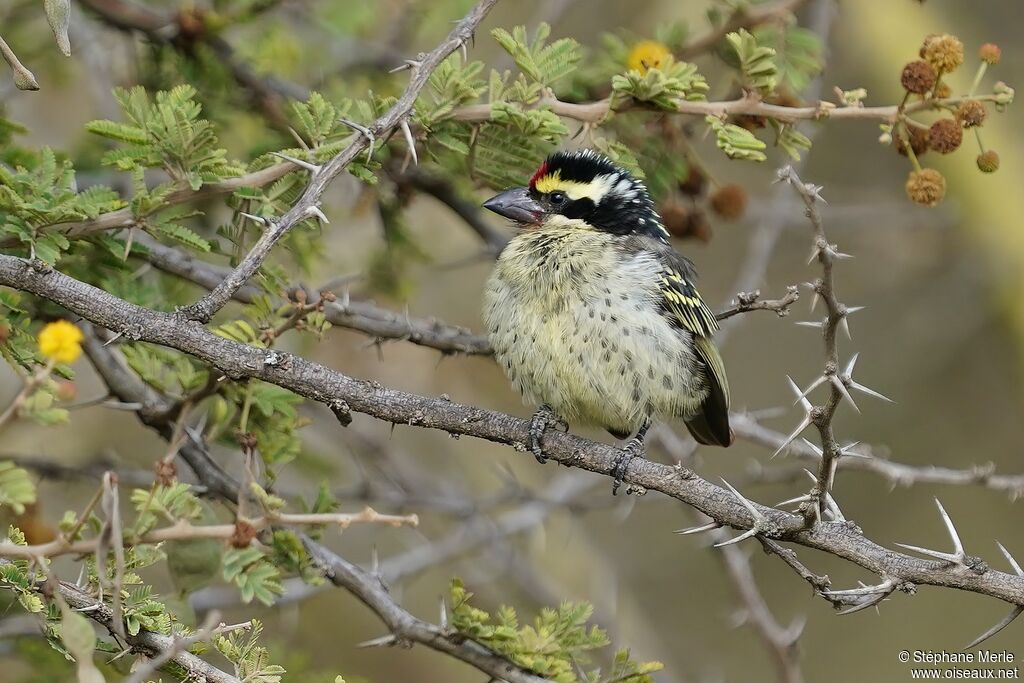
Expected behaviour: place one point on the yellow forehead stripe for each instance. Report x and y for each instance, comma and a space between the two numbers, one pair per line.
573, 189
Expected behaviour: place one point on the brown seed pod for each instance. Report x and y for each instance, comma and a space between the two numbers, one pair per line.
918, 141
918, 77
942, 90
729, 201
694, 182
988, 161
5, 333
684, 222
243, 534
926, 186
944, 52
971, 113
945, 135
990, 53
166, 472
676, 218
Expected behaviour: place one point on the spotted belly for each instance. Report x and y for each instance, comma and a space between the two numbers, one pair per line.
598, 353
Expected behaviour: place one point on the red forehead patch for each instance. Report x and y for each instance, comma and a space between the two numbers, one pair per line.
541, 172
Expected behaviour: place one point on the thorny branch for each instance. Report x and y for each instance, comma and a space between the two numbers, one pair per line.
404, 627
839, 382
308, 204
148, 643
324, 385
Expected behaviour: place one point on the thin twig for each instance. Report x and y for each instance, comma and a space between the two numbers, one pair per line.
308, 203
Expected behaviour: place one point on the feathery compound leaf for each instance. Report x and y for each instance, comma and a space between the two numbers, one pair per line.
790, 139
16, 487
255, 577
757, 63
736, 142
541, 62
317, 118
503, 157
451, 85
118, 131
664, 86
556, 645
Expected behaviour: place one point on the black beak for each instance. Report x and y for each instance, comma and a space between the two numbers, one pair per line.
515, 204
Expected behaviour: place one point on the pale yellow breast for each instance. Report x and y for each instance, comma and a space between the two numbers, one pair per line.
575, 324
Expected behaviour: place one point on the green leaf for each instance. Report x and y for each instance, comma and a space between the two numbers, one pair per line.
662, 87
539, 61
757, 62
790, 139
255, 577
16, 487
736, 142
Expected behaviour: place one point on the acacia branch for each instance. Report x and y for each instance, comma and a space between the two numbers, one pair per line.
154, 645
367, 586
185, 530
362, 316
321, 384
308, 204
750, 104
864, 459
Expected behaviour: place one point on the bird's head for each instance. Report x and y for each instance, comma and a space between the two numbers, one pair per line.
583, 189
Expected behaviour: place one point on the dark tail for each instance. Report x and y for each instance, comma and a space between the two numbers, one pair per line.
710, 426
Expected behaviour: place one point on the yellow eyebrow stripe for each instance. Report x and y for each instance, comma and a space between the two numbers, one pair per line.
573, 189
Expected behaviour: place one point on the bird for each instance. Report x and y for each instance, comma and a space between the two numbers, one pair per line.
592, 314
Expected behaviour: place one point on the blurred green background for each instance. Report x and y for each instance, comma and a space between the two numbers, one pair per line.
942, 334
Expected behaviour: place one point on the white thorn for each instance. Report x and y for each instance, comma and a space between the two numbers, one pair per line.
947, 557
814, 385
742, 537
315, 212
1007, 620
871, 602
841, 387
799, 499
697, 529
813, 447
1009, 558
378, 642
958, 545
809, 323
870, 392
849, 366
844, 325
367, 133
406, 64
407, 132
257, 219
113, 339
312, 168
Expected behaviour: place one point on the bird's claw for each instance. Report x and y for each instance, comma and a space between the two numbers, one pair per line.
542, 419
633, 449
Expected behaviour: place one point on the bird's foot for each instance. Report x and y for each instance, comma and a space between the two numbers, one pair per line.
633, 449
542, 419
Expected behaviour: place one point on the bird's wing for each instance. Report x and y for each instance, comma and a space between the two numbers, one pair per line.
680, 299
682, 303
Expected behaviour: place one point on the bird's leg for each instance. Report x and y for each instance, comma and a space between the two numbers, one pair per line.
542, 419
633, 449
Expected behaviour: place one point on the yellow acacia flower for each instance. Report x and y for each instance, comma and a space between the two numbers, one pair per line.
646, 55
61, 341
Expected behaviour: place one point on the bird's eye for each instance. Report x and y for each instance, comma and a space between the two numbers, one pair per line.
557, 198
